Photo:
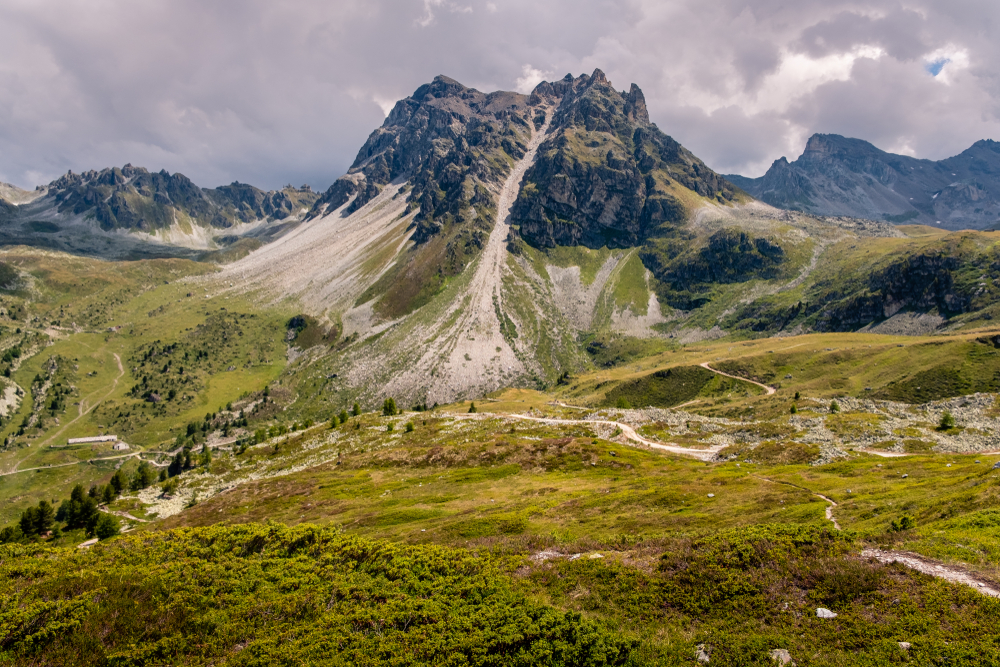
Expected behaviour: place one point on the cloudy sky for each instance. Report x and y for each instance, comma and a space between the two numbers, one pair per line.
270, 92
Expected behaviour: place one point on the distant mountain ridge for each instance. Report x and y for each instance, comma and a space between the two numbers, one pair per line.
162, 213
840, 176
136, 199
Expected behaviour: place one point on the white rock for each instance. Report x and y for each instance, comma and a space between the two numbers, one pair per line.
824, 613
904, 645
782, 656
711, 495
702, 653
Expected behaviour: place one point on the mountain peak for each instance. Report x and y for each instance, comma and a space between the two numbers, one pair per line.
835, 145
635, 105
598, 76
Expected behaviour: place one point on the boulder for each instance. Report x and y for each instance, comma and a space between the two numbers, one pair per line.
702, 653
904, 645
782, 657
825, 613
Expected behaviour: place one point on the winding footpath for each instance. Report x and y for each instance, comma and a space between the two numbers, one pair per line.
768, 389
912, 560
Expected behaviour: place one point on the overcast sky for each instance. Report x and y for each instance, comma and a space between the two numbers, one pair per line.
270, 93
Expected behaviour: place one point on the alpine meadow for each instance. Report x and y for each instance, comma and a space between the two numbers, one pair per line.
530, 384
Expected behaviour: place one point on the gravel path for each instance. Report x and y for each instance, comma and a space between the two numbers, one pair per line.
908, 558
934, 568
769, 390
627, 431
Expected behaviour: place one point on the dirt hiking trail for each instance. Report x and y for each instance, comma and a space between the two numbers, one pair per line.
766, 388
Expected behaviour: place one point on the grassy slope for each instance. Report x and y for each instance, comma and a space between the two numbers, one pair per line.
145, 301
742, 571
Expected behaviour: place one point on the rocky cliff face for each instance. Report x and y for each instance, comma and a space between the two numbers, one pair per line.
849, 177
607, 176
448, 140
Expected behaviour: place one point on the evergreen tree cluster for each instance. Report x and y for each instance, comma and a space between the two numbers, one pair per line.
80, 512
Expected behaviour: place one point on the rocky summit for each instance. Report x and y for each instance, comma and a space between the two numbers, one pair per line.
606, 176
839, 176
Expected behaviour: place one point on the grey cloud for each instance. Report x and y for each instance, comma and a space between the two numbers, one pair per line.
900, 32
270, 93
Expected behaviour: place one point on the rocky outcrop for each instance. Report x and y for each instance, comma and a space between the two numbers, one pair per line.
607, 176
840, 176
922, 282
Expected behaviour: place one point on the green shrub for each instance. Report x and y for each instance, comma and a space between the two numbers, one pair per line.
947, 422
271, 595
904, 522
409, 427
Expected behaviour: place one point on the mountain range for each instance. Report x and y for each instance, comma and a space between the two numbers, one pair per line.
838, 176
487, 240
130, 213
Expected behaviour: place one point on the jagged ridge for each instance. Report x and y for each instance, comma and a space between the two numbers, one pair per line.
836, 175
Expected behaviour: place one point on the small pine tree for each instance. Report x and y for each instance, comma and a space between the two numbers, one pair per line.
409, 427
29, 522
947, 422
834, 406
798, 396
334, 421
472, 408
119, 481
794, 409
356, 410
343, 416
389, 428
45, 516
170, 486
106, 526
389, 407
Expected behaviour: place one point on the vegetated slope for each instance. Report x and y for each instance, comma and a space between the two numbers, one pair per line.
133, 213
344, 600
850, 177
660, 554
